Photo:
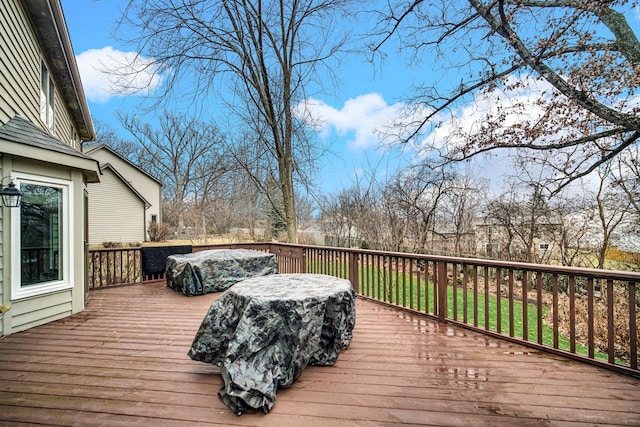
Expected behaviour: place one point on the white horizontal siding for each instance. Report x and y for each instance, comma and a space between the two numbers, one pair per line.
39, 310
116, 214
149, 188
19, 65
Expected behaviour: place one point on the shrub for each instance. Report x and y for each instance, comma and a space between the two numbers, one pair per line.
159, 231
112, 244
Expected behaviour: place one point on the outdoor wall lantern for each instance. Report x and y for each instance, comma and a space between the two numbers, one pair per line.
11, 196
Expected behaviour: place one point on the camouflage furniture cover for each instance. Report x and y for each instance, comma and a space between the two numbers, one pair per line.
264, 331
216, 270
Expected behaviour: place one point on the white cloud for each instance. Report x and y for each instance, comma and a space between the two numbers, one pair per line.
513, 105
365, 118
516, 103
108, 73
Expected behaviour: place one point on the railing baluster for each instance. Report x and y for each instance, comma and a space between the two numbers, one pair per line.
498, 299
511, 312
454, 285
572, 313
120, 267
396, 266
370, 275
555, 310
486, 297
590, 317
427, 285
364, 289
411, 296
525, 305
610, 322
475, 296
539, 304
465, 285
404, 284
633, 327
378, 277
102, 273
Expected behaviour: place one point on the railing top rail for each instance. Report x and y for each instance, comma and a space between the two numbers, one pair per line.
137, 248
545, 268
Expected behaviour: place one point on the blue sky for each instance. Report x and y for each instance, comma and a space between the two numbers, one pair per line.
367, 99
364, 101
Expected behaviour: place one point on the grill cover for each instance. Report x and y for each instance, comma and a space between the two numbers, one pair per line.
216, 270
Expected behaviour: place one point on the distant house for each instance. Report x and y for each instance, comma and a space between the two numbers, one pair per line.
125, 202
496, 240
44, 118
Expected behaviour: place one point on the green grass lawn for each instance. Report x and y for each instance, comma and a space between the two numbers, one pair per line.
415, 293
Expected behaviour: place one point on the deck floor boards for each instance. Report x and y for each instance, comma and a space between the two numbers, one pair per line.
123, 362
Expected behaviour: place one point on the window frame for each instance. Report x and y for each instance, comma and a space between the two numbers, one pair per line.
47, 97
67, 261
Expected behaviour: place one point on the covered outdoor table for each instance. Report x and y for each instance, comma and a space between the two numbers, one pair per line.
264, 331
216, 270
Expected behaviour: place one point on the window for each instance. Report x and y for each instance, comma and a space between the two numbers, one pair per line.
41, 235
154, 219
47, 91
74, 137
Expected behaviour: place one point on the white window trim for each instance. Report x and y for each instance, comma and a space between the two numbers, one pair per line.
47, 97
67, 240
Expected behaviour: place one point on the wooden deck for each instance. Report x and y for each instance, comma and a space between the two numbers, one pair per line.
123, 362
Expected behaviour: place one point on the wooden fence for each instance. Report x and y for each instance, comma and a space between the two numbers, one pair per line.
585, 314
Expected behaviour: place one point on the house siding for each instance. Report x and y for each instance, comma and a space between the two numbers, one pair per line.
19, 65
36, 311
20, 61
116, 214
148, 187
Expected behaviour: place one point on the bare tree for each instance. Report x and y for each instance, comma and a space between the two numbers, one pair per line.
343, 215
185, 155
416, 194
460, 207
269, 53
577, 217
628, 178
580, 60
613, 208
523, 218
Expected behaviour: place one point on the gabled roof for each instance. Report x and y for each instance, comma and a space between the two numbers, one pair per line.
92, 149
47, 20
127, 183
33, 142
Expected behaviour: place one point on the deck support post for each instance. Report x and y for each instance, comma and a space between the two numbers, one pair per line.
353, 271
441, 309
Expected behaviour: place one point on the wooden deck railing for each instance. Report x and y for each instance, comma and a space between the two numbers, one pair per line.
114, 267
586, 314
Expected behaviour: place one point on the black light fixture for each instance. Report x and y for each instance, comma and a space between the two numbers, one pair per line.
11, 196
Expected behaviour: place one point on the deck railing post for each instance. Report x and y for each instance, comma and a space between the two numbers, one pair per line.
303, 261
441, 310
353, 271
